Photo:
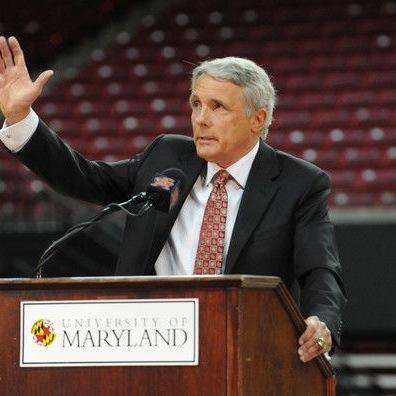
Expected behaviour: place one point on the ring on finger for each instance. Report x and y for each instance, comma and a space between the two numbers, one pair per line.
321, 343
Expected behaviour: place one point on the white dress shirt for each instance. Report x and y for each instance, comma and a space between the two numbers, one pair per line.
178, 254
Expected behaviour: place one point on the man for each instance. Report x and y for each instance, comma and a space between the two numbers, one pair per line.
272, 214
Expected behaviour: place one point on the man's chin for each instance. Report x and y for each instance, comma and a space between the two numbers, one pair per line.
207, 155
204, 154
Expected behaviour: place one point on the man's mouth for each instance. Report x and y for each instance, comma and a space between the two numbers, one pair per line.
205, 139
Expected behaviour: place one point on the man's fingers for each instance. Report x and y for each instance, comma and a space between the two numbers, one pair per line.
6, 53
2, 43
310, 353
309, 346
16, 50
309, 350
42, 79
309, 332
312, 343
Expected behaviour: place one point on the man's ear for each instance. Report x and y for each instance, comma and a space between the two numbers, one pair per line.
258, 120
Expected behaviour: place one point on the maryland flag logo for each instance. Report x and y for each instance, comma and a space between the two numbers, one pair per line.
43, 332
162, 181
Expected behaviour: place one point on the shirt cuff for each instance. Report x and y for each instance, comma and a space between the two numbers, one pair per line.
15, 136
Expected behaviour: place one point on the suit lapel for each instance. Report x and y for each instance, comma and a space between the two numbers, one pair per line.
191, 165
259, 191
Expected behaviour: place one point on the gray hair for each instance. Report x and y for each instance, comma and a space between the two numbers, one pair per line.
256, 85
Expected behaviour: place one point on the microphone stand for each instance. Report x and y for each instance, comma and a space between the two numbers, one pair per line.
73, 231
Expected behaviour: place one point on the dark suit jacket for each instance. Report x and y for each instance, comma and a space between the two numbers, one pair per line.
282, 228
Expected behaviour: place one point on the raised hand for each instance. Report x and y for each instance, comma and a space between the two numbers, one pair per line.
17, 90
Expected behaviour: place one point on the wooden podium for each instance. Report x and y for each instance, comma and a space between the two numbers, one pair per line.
248, 339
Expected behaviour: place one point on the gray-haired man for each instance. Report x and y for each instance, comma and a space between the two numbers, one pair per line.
247, 208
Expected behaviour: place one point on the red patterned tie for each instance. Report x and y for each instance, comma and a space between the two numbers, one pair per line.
211, 238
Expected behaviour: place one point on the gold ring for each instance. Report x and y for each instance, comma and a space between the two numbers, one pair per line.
322, 343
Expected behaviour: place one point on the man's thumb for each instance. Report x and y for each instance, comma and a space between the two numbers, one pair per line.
43, 78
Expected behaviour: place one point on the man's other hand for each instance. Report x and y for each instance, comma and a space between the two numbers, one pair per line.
315, 340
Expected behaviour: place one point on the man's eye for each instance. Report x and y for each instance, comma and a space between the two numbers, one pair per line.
195, 103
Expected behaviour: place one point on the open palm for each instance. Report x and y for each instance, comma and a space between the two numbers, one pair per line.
17, 90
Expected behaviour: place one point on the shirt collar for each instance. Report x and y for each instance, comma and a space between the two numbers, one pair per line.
238, 170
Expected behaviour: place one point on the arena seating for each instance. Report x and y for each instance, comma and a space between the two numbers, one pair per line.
333, 66
55, 27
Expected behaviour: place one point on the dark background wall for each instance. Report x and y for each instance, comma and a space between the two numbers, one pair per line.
369, 265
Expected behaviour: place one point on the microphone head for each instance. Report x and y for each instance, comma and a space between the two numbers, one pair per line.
165, 188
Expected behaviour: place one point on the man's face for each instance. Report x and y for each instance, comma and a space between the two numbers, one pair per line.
222, 131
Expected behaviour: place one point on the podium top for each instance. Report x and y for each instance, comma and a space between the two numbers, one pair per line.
242, 281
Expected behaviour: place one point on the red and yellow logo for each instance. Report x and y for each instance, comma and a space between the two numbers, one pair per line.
162, 181
43, 332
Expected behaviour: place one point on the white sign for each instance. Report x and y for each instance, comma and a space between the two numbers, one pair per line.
109, 333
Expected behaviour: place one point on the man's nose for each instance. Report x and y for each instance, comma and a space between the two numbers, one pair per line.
202, 116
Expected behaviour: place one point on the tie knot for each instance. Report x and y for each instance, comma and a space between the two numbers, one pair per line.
221, 177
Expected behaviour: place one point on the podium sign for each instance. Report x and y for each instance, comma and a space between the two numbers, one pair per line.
155, 332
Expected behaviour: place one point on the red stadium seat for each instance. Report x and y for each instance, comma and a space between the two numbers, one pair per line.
333, 66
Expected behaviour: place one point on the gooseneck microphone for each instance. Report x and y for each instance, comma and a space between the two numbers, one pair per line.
164, 190
162, 193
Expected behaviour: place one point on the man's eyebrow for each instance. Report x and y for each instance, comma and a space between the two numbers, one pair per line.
220, 102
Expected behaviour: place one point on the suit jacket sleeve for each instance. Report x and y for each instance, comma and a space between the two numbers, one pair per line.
69, 173
316, 259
